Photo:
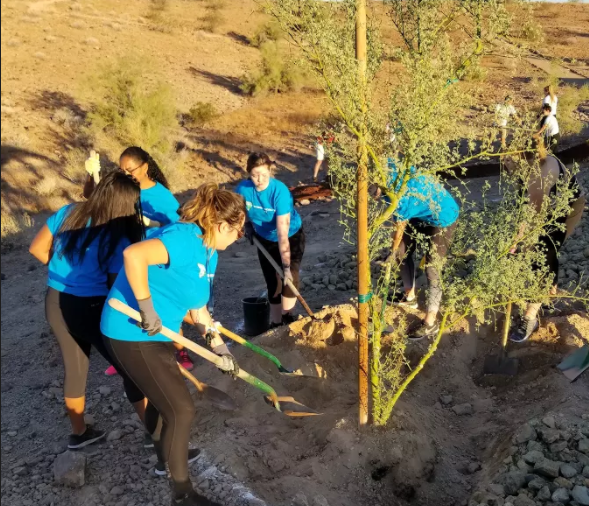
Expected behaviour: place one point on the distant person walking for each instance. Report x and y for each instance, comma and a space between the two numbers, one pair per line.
550, 99
83, 244
323, 141
549, 132
504, 112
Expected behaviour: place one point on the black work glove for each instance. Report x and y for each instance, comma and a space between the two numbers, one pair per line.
249, 232
150, 320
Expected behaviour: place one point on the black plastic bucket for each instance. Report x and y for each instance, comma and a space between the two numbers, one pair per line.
256, 316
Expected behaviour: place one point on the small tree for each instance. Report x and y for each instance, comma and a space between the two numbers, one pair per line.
423, 113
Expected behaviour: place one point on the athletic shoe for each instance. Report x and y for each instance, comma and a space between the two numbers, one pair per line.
422, 331
527, 326
184, 360
89, 437
288, 318
401, 300
111, 371
194, 499
148, 441
161, 469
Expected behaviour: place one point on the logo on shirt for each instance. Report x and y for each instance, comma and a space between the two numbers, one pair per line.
248, 205
202, 271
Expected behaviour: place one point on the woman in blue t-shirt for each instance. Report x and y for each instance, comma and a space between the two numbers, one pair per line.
274, 221
83, 246
429, 210
165, 278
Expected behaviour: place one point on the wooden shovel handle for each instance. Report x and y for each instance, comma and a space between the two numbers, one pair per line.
280, 272
199, 386
506, 326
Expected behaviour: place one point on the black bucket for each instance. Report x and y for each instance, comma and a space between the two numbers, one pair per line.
256, 316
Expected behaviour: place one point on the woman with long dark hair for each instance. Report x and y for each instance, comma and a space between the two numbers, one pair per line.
165, 278
83, 244
274, 221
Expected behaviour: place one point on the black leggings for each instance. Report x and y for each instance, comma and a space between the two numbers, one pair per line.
551, 245
75, 321
153, 367
297, 249
440, 239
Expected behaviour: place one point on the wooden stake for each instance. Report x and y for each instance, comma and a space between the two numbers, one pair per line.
364, 288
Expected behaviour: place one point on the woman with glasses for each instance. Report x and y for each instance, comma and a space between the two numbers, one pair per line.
164, 278
83, 244
274, 221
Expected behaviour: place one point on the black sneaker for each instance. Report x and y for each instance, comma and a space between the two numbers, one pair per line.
89, 437
527, 326
194, 499
422, 331
288, 318
400, 299
161, 469
148, 441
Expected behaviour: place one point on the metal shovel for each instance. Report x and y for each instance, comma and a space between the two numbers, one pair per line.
216, 397
286, 405
501, 363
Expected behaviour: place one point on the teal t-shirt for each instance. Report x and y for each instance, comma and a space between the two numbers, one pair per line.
159, 204
425, 199
181, 285
86, 278
263, 208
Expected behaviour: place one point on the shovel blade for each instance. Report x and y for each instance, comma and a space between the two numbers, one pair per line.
218, 398
291, 407
500, 364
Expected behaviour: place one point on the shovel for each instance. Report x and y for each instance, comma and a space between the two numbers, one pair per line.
216, 397
501, 363
281, 274
286, 405
260, 351
575, 363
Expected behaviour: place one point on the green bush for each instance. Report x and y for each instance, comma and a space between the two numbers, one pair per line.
268, 32
569, 99
202, 113
275, 74
131, 110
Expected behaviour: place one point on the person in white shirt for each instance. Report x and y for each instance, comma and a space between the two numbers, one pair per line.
549, 131
503, 113
551, 99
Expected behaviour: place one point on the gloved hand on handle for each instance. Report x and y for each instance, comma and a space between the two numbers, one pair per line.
150, 320
229, 366
92, 166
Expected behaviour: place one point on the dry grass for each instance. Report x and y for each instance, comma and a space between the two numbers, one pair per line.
73, 165
13, 224
47, 186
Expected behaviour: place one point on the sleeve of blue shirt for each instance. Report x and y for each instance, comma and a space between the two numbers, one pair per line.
171, 209
56, 220
180, 247
283, 201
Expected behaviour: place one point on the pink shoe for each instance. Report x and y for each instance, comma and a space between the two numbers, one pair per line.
184, 360
111, 371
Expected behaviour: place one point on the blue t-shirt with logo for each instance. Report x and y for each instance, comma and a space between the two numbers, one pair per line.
425, 199
181, 285
264, 206
86, 278
159, 204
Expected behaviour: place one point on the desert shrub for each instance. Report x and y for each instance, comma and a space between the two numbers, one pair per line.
130, 110
13, 224
73, 165
476, 73
202, 113
569, 99
275, 73
268, 32
46, 186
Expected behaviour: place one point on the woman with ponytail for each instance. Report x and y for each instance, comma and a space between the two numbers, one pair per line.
164, 278
83, 246
550, 99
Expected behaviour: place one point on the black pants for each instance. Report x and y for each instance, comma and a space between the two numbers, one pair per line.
297, 250
153, 367
551, 245
552, 141
440, 239
75, 321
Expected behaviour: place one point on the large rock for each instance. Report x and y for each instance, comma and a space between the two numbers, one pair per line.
69, 469
568, 471
523, 500
561, 495
513, 481
548, 468
584, 446
544, 494
462, 409
533, 457
524, 434
581, 495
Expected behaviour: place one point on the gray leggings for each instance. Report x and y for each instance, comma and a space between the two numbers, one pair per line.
440, 239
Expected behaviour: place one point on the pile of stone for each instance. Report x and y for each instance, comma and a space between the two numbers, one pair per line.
335, 271
548, 465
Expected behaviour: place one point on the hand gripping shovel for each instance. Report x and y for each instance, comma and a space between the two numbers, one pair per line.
260, 351
281, 274
286, 405
501, 364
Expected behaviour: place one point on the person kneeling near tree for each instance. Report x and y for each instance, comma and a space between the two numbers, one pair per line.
426, 209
